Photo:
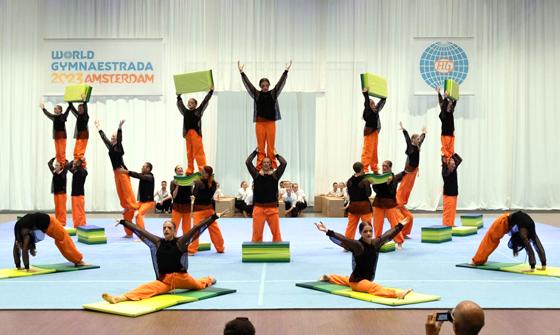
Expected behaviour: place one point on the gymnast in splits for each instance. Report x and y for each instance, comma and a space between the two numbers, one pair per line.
365, 253
170, 260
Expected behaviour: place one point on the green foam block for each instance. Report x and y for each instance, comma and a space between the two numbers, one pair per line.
451, 88
92, 241
71, 231
201, 81
436, 234
411, 298
157, 303
44, 269
377, 178
273, 252
388, 247
377, 86
472, 221
464, 231
74, 93
204, 246
186, 180
519, 268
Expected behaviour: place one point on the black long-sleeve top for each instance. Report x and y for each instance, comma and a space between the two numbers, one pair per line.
528, 235
265, 103
182, 201
386, 193
372, 116
265, 192
446, 116
58, 184
22, 232
169, 256
81, 131
359, 191
79, 176
146, 185
59, 123
192, 118
203, 193
364, 255
412, 152
116, 151
450, 184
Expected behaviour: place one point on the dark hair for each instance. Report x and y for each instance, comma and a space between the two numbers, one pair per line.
239, 326
149, 166
208, 169
389, 163
363, 225
164, 181
264, 80
358, 167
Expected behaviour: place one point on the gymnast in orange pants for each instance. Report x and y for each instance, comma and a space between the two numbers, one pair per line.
359, 206
122, 180
31, 228
79, 174
450, 188
265, 196
59, 130
145, 194
81, 132
58, 188
266, 113
523, 234
204, 190
170, 260
447, 108
407, 183
181, 210
371, 132
192, 130
385, 203
365, 254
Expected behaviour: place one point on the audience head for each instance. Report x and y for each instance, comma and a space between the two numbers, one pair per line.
244, 184
239, 326
163, 185
264, 84
335, 186
295, 187
468, 318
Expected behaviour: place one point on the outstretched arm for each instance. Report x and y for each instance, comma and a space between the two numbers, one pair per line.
181, 105
388, 235
146, 177
140, 232
46, 112
249, 163
195, 232
281, 168
340, 239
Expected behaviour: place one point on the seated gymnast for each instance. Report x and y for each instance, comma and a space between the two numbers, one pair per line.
365, 253
170, 260
521, 228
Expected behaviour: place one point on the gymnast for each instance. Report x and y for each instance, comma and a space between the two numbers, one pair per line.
365, 253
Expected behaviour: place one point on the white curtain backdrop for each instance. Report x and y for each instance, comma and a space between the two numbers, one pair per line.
505, 132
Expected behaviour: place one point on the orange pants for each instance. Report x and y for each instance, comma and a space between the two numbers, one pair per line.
80, 149
449, 210
447, 146
369, 152
78, 211
63, 241
266, 137
403, 193
491, 239
170, 281
353, 220
213, 229
364, 285
124, 191
142, 210
181, 218
195, 150
60, 207
379, 215
270, 215
60, 147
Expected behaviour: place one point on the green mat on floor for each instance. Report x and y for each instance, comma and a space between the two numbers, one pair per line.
326, 287
550, 271
157, 303
42, 269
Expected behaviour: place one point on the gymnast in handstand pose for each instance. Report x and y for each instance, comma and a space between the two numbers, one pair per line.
365, 253
170, 260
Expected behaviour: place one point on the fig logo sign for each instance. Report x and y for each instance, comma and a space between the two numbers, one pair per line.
443, 60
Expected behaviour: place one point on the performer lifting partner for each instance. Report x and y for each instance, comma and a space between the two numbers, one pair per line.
122, 180
192, 130
79, 175
447, 108
170, 260
365, 254
58, 188
146, 187
266, 113
265, 196
521, 228
81, 133
359, 206
413, 144
32, 228
59, 130
450, 188
371, 131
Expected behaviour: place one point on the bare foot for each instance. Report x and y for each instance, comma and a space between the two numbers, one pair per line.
399, 246
113, 299
324, 278
404, 293
213, 280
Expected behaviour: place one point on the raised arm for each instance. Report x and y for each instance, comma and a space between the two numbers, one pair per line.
195, 232
181, 105
407, 139
398, 177
51, 165
140, 232
105, 139
280, 84
367, 109
281, 168
49, 115
65, 114
388, 235
381, 104
146, 177
72, 109
250, 88
249, 163
200, 110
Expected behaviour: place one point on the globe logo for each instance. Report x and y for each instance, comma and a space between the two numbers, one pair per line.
443, 60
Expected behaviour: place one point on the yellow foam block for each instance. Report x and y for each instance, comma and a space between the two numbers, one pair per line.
411, 298
15, 273
550, 271
141, 307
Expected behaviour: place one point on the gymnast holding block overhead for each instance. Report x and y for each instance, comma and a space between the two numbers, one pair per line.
371, 131
447, 108
81, 132
59, 130
365, 254
266, 113
521, 228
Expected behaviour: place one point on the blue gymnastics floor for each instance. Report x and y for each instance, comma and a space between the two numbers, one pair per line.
427, 268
